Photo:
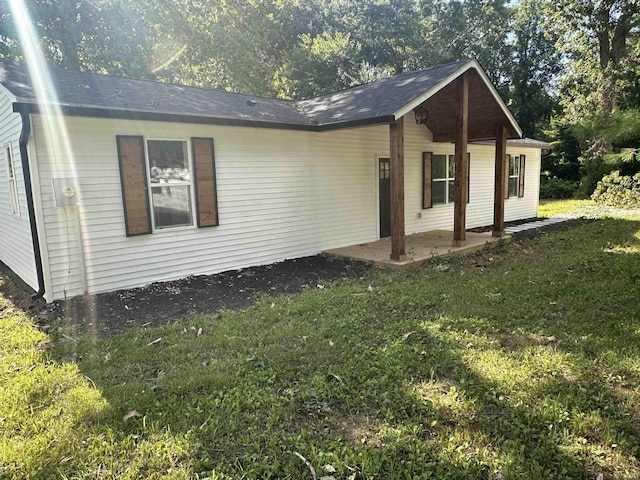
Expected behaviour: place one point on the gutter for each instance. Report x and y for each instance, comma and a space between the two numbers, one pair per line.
26, 173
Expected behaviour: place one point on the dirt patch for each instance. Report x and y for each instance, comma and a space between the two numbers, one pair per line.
159, 303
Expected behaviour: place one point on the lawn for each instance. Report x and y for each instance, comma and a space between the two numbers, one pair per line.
522, 362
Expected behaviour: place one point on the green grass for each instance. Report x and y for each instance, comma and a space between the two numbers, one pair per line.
522, 362
584, 209
549, 208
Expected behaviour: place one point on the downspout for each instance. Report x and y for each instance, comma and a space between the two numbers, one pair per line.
26, 173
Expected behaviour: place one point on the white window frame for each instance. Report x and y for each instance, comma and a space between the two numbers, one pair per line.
516, 176
450, 159
14, 201
190, 185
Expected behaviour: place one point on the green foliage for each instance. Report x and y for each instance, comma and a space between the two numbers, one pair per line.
559, 188
451, 370
564, 160
618, 190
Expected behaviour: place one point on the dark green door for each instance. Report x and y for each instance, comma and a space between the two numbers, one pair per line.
385, 197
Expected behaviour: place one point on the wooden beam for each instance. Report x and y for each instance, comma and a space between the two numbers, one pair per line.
460, 183
499, 184
396, 143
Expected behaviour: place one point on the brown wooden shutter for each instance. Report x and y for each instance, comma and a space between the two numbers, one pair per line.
133, 178
204, 170
505, 172
468, 176
427, 201
521, 177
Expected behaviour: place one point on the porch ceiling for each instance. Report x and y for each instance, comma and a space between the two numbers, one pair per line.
485, 113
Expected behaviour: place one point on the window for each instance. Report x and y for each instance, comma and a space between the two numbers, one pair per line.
170, 183
514, 174
13, 188
167, 183
438, 179
515, 177
443, 178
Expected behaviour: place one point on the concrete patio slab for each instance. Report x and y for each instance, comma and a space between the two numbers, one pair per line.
420, 247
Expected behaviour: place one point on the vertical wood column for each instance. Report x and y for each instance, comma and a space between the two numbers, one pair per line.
500, 181
396, 143
460, 183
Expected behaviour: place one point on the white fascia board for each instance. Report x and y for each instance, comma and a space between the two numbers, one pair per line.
446, 81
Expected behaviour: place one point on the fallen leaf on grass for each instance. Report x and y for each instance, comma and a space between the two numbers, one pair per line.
308, 464
157, 340
199, 332
131, 414
370, 288
46, 346
333, 376
408, 334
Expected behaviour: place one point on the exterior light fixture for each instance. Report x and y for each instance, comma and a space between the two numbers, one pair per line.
421, 114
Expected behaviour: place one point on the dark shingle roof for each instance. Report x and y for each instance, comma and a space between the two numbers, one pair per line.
357, 104
378, 99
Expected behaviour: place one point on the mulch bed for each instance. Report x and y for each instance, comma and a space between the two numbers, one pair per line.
106, 314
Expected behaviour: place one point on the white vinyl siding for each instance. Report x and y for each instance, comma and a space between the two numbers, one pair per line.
481, 178
281, 194
16, 247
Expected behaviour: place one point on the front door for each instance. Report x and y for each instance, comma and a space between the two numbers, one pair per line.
384, 192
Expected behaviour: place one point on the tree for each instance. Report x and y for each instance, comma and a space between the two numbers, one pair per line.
536, 63
595, 37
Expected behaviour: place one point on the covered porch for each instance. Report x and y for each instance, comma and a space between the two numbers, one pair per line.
420, 247
461, 108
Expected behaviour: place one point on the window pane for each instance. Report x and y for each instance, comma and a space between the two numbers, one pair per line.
513, 186
438, 192
439, 166
452, 166
171, 206
451, 188
168, 161
514, 164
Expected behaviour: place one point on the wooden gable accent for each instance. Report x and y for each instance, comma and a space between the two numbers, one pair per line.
133, 178
484, 111
204, 169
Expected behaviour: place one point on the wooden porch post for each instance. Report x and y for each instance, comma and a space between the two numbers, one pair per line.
396, 143
499, 188
460, 183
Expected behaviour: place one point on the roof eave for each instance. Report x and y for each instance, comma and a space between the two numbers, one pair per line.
127, 114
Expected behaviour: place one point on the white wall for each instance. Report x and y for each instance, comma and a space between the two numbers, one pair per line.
481, 179
16, 247
281, 194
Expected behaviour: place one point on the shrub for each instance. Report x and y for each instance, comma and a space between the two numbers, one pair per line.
618, 190
558, 188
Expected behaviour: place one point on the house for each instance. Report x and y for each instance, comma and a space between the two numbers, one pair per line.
110, 183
